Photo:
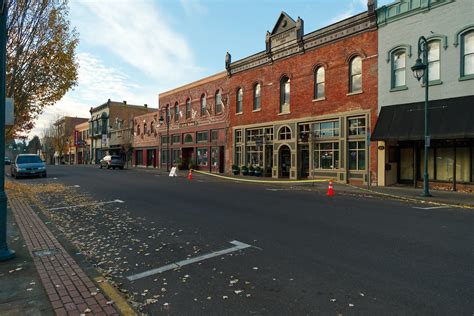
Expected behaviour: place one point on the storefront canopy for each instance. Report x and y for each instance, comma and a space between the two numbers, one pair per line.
448, 119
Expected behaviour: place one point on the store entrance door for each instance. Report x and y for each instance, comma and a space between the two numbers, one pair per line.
187, 156
285, 161
304, 171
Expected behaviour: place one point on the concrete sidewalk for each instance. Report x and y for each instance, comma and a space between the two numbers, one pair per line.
56, 283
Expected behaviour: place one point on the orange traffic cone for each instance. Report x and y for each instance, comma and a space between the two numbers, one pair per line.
190, 174
330, 189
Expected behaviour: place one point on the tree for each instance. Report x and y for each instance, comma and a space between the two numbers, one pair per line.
48, 144
41, 65
34, 145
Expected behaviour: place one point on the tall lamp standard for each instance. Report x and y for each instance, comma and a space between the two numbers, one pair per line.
420, 70
5, 252
161, 120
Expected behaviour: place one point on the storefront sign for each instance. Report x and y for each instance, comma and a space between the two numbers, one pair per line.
188, 124
173, 172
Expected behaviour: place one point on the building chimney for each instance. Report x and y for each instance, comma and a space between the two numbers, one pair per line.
371, 6
124, 102
146, 105
108, 102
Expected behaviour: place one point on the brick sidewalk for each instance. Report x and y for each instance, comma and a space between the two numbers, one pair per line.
69, 289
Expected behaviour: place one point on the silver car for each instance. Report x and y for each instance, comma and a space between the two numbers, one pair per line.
111, 161
26, 165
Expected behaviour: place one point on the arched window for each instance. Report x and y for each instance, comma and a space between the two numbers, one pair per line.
319, 83
399, 68
145, 130
176, 112
138, 129
203, 105
434, 63
152, 127
168, 113
285, 94
355, 74
256, 97
218, 105
467, 54
285, 133
188, 108
240, 95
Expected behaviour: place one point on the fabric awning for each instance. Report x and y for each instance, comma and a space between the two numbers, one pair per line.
448, 119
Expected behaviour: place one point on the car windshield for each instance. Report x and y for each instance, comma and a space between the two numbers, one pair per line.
28, 159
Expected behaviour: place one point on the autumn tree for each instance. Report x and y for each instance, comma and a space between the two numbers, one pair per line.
48, 144
41, 64
34, 145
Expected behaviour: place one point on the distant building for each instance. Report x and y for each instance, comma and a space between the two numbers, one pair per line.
448, 27
63, 139
103, 119
82, 143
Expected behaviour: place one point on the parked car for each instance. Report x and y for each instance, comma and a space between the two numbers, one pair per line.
8, 161
28, 165
111, 161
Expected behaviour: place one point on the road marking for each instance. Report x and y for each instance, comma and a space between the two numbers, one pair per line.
275, 190
237, 246
83, 205
431, 207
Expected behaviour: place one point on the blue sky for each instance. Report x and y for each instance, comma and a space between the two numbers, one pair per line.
134, 49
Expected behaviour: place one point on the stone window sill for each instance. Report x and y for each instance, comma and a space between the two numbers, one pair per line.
257, 110
239, 113
284, 113
400, 88
467, 77
434, 83
355, 93
320, 99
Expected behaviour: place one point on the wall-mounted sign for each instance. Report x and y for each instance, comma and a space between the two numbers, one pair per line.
381, 147
188, 124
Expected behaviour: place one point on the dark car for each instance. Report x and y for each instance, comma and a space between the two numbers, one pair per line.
111, 161
8, 161
28, 165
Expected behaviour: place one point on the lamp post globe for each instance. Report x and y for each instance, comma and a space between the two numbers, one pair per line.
418, 69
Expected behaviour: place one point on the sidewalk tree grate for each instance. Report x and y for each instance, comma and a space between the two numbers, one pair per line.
46, 252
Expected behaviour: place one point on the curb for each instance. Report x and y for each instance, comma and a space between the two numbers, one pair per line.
260, 181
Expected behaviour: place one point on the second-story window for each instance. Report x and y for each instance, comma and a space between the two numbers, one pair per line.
188, 108
467, 51
285, 95
434, 73
218, 100
145, 129
319, 83
176, 112
355, 75
203, 105
398, 68
240, 95
256, 97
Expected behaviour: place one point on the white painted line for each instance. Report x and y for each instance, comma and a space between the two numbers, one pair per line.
275, 190
237, 246
431, 207
84, 205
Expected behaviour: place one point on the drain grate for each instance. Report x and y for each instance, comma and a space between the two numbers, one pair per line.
46, 252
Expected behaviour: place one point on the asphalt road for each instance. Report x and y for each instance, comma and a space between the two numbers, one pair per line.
310, 254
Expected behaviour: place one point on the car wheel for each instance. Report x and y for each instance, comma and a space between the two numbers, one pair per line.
100, 166
121, 168
13, 175
108, 167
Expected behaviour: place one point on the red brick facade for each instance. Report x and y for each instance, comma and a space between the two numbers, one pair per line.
197, 138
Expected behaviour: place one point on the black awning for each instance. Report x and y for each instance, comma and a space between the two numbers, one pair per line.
448, 119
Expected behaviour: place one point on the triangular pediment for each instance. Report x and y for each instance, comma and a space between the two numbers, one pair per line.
284, 23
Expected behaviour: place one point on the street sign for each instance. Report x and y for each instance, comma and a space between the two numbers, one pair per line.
9, 112
104, 140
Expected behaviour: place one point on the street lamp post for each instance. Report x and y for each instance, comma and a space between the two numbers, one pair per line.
161, 120
5, 252
420, 70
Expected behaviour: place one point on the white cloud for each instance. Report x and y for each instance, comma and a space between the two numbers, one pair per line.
355, 6
137, 32
96, 83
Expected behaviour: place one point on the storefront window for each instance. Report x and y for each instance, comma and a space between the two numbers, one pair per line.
188, 138
326, 156
269, 134
463, 164
176, 139
431, 174
214, 156
254, 134
202, 137
164, 139
356, 126
175, 156
237, 155
202, 157
255, 155
444, 164
285, 133
357, 155
164, 156
326, 129
214, 135
238, 136
139, 157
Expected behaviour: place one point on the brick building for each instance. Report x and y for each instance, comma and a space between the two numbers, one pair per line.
108, 116
63, 139
304, 106
197, 117
82, 143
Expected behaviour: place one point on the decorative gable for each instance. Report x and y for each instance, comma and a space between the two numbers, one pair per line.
285, 32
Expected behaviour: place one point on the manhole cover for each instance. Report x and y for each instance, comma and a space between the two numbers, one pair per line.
46, 252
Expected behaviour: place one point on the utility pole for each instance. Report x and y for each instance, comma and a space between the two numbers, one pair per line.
5, 252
